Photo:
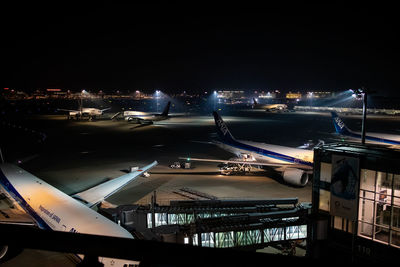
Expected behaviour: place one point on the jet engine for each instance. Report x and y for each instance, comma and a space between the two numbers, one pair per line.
7, 253
3, 251
295, 176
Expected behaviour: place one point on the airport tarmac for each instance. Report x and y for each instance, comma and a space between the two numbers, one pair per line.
77, 155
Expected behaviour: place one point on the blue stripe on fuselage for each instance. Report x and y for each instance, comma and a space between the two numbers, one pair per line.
14, 193
267, 153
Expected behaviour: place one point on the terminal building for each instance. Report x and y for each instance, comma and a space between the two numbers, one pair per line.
356, 203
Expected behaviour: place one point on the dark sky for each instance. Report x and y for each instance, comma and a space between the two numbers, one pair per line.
128, 46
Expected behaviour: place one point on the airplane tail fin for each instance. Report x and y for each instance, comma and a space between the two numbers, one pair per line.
340, 127
166, 109
222, 129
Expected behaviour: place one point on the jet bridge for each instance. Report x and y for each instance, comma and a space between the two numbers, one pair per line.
249, 224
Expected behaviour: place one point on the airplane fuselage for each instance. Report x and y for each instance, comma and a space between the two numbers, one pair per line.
139, 115
87, 111
269, 153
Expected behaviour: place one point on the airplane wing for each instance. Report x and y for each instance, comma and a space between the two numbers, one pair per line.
11, 212
102, 110
255, 163
100, 192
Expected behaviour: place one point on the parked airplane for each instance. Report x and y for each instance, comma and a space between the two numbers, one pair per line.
269, 107
52, 209
92, 113
295, 164
144, 117
374, 138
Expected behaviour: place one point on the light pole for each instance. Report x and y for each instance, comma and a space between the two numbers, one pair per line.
215, 99
157, 97
363, 94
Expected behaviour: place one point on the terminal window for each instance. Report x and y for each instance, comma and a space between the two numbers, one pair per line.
379, 207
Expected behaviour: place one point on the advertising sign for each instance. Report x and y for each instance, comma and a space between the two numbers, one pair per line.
344, 187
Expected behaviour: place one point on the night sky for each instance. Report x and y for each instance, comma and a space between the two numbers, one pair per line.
199, 46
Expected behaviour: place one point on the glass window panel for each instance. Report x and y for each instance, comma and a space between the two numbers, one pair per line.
303, 231
382, 215
395, 239
365, 229
396, 217
366, 211
396, 201
207, 240
367, 180
338, 223
239, 238
326, 172
384, 180
195, 240
172, 219
350, 226
367, 194
384, 186
149, 220
381, 234
324, 198
396, 185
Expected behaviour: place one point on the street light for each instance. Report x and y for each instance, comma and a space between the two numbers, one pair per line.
362, 93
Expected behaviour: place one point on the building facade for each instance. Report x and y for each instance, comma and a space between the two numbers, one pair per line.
356, 202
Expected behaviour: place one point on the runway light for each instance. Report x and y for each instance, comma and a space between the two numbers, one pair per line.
188, 159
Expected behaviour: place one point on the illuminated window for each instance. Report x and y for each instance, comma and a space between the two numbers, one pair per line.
338, 223
326, 172
149, 221
379, 207
194, 240
207, 239
324, 199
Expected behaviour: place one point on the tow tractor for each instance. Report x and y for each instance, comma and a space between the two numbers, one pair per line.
175, 165
231, 168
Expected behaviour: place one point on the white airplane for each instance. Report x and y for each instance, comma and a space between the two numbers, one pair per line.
294, 163
52, 209
144, 117
269, 107
92, 113
373, 138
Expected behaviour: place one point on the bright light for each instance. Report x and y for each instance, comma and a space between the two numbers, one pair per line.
215, 92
